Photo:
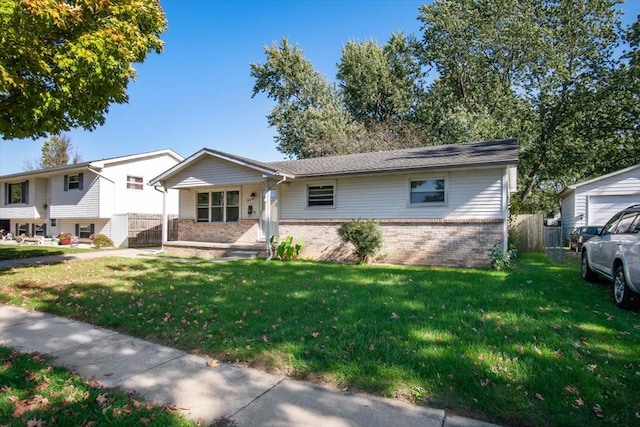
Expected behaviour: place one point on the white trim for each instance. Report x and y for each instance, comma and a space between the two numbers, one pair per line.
324, 183
444, 177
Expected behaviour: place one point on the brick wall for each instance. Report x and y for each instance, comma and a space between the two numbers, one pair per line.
243, 231
457, 243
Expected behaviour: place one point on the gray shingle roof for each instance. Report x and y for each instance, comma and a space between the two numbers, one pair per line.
486, 153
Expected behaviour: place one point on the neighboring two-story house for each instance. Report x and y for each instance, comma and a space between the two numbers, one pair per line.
86, 198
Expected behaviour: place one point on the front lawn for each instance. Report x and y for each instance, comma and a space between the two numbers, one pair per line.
534, 346
8, 252
35, 394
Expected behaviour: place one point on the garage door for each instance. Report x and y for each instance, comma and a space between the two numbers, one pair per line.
602, 208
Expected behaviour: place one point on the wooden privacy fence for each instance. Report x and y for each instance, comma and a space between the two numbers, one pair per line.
146, 229
527, 232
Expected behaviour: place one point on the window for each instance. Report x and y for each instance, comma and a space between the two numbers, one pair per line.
53, 222
17, 192
218, 206
320, 195
84, 231
625, 223
427, 191
73, 182
134, 183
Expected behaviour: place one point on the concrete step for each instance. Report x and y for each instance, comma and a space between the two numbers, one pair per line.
242, 254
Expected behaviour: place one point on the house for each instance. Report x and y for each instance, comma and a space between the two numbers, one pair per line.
86, 198
437, 205
595, 201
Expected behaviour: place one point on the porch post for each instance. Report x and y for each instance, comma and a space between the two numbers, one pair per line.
165, 232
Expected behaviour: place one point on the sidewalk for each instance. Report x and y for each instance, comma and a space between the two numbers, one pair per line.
202, 388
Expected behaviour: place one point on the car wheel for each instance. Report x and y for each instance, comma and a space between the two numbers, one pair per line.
623, 296
585, 271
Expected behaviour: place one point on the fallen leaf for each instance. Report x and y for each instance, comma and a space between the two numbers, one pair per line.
484, 382
539, 396
394, 316
571, 390
598, 411
591, 368
102, 399
34, 423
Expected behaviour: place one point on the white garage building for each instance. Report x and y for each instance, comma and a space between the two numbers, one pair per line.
595, 201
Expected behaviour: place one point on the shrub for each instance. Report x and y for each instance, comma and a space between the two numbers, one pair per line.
287, 250
501, 260
102, 241
365, 235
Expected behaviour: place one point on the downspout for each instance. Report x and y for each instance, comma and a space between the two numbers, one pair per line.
267, 215
164, 218
505, 210
267, 208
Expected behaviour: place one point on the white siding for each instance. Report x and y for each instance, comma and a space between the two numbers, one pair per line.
213, 171
624, 187
116, 198
187, 204
19, 211
471, 194
569, 218
83, 203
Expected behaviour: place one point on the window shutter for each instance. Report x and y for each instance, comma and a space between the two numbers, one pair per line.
77, 233
80, 175
66, 182
6, 193
93, 229
25, 192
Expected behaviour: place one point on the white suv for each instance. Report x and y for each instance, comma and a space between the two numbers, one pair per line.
615, 253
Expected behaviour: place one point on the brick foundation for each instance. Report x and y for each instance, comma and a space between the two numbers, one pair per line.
243, 231
456, 243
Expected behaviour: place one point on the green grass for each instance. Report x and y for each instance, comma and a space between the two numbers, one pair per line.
8, 252
34, 393
532, 346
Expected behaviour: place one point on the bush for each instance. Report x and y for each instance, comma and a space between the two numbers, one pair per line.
287, 250
501, 260
102, 241
365, 235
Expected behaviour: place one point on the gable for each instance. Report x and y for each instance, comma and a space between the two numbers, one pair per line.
619, 184
209, 170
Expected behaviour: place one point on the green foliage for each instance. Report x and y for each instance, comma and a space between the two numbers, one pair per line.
566, 94
501, 260
102, 241
365, 235
286, 250
56, 151
309, 109
63, 63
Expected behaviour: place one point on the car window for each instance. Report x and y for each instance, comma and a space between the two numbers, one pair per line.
635, 227
592, 230
625, 223
608, 228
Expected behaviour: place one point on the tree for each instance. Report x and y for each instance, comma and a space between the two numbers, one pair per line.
56, 151
309, 115
536, 91
62, 63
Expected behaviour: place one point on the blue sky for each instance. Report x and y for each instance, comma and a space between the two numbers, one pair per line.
197, 93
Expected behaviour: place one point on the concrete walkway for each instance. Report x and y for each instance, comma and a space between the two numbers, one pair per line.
201, 388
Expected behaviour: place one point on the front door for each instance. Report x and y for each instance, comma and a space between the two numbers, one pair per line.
269, 214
